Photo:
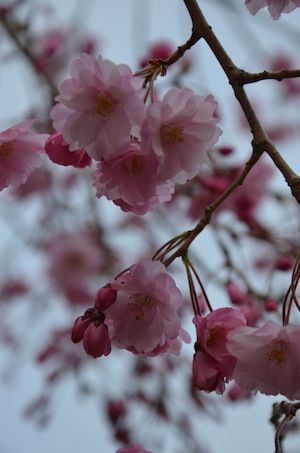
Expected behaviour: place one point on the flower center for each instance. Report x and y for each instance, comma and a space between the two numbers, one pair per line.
139, 303
136, 164
171, 133
277, 353
105, 104
6, 149
216, 335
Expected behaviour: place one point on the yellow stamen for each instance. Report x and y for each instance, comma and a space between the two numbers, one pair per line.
277, 353
136, 164
171, 133
216, 334
6, 149
105, 104
140, 302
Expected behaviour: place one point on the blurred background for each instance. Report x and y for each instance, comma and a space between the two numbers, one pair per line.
60, 244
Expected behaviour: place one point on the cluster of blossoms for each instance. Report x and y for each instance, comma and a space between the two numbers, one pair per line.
137, 311
275, 7
141, 150
265, 358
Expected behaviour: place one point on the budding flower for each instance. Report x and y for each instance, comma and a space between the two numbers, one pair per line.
105, 297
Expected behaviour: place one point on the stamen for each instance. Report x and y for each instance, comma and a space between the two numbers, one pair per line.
171, 133
6, 149
105, 104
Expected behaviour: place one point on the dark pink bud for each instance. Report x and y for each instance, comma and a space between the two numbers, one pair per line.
105, 297
271, 305
79, 328
115, 410
58, 151
96, 341
235, 293
284, 263
215, 184
225, 150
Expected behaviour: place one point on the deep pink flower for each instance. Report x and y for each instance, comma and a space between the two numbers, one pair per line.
98, 106
213, 364
180, 130
130, 180
20, 153
275, 7
145, 314
268, 359
58, 151
105, 297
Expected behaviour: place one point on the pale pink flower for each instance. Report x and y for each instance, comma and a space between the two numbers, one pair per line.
58, 151
98, 106
275, 7
73, 259
130, 180
213, 364
145, 314
133, 449
20, 153
268, 359
180, 130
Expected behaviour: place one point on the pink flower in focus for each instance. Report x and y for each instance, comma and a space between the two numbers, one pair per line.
58, 151
98, 106
130, 180
20, 153
145, 315
213, 363
268, 359
275, 7
180, 130
133, 449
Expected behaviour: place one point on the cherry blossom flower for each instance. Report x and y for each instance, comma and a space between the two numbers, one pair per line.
180, 130
58, 151
268, 359
20, 153
73, 259
130, 180
213, 363
98, 106
275, 7
145, 315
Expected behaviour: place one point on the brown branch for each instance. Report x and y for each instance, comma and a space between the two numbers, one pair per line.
214, 206
10, 30
247, 77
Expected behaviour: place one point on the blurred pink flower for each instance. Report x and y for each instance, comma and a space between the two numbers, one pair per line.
98, 106
145, 315
20, 153
133, 449
180, 130
268, 359
275, 7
